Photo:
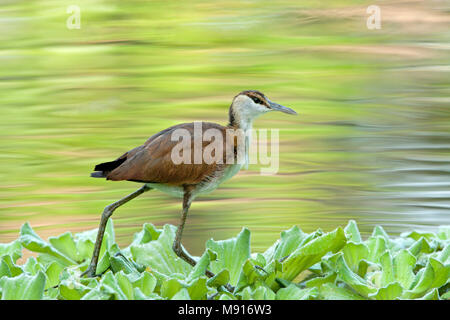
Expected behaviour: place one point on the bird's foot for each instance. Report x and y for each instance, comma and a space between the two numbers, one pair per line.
229, 287
89, 273
261, 268
183, 255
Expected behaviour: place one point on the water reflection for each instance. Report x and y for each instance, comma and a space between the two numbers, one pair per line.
371, 142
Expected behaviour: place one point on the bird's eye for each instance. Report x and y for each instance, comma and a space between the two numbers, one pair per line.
256, 100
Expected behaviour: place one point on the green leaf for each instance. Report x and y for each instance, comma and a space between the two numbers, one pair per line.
85, 242
432, 295
292, 292
66, 245
220, 279
378, 231
33, 242
289, 242
9, 268
226, 296
441, 273
404, 263
118, 286
354, 253
51, 294
420, 246
444, 255
416, 235
444, 232
249, 275
363, 267
72, 291
445, 296
159, 255
148, 233
108, 249
52, 272
306, 266
374, 278
319, 281
202, 265
352, 232
101, 293
433, 276
183, 294
387, 266
13, 249
146, 283
306, 256
377, 247
125, 285
32, 266
390, 292
104, 263
259, 258
231, 254
23, 287
4, 269
120, 263
359, 284
259, 293
72, 287
170, 287
109, 236
197, 288
330, 291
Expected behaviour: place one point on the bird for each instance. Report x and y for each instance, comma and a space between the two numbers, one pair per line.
152, 163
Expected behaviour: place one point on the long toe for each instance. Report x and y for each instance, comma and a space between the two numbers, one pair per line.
89, 273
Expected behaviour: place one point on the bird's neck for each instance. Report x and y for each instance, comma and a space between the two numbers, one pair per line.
240, 120
244, 122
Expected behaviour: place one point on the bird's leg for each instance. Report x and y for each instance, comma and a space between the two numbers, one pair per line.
179, 250
107, 212
187, 199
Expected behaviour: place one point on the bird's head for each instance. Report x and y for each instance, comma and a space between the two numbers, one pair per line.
250, 104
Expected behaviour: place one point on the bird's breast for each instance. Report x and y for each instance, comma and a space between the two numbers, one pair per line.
206, 186
218, 178
172, 190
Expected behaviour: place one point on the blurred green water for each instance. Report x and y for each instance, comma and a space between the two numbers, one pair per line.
371, 141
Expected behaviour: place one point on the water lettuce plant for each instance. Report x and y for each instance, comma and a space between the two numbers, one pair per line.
299, 266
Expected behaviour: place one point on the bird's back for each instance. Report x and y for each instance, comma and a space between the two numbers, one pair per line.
153, 162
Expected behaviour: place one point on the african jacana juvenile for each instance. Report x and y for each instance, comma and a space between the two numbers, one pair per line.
152, 165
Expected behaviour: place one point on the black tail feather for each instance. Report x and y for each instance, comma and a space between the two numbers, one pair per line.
102, 169
98, 174
109, 166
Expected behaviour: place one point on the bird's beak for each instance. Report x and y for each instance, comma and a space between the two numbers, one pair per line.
278, 107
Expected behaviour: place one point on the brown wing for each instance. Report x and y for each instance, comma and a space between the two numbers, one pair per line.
152, 162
